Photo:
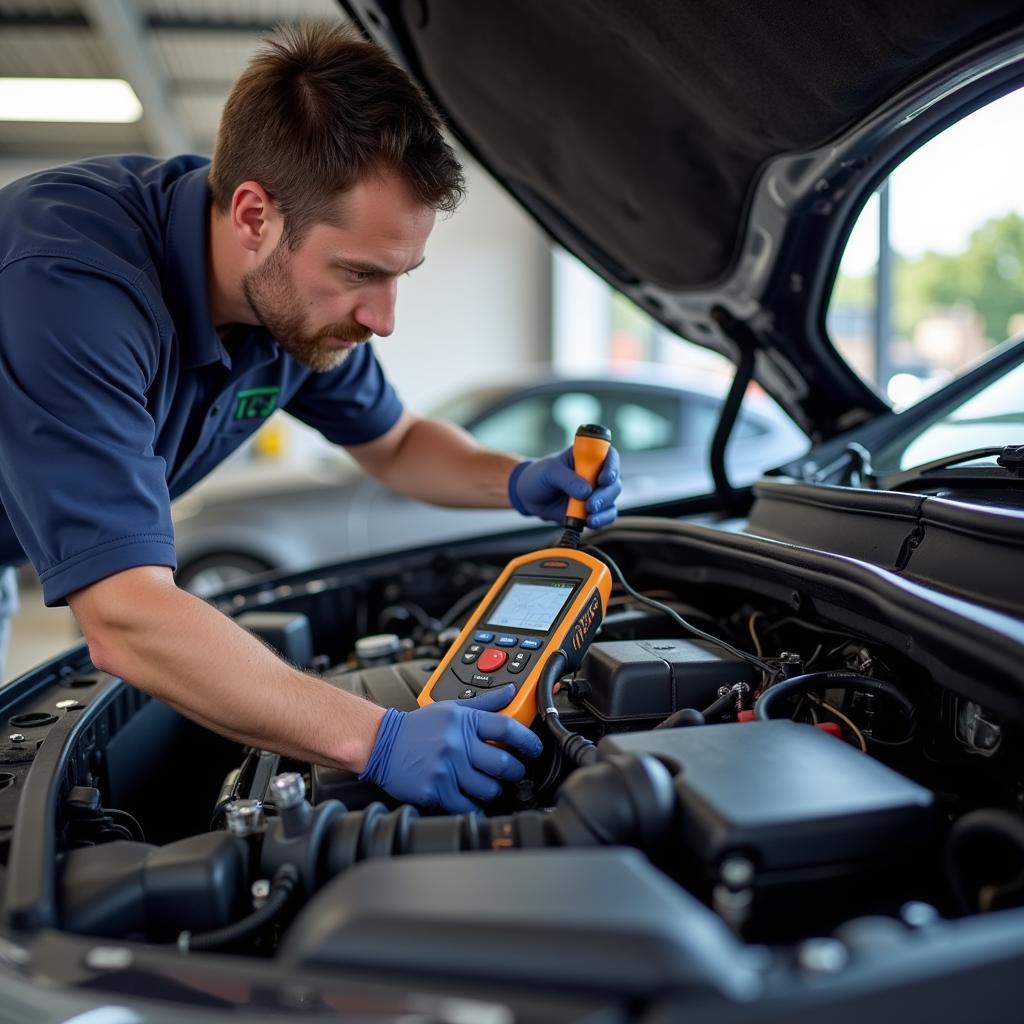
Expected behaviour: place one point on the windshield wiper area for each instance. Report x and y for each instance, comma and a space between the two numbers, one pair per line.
953, 471
851, 469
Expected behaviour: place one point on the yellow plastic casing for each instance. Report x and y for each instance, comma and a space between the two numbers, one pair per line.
571, 632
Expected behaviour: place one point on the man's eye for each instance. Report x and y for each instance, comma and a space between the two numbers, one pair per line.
359, 276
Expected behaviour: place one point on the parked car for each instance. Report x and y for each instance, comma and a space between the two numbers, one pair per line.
259, 517
854, 852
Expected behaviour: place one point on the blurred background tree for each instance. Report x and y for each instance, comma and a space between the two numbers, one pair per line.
988, 275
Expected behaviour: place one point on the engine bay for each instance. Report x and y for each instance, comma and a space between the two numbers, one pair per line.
739, 833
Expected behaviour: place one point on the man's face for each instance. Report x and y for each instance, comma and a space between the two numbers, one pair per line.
338, 288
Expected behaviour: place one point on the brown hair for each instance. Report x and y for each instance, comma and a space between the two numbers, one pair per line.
318, 108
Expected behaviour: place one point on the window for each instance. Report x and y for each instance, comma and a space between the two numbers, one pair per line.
641, 428
527, 427
538, 424
932, 276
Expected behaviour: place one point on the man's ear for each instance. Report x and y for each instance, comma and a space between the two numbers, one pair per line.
255, 220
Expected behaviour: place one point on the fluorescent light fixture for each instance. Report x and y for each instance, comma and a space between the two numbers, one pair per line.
79, 100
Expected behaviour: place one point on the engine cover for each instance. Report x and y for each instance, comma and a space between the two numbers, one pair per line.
803, 807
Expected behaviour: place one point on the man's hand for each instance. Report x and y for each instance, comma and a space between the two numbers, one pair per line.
437, 756
540, 488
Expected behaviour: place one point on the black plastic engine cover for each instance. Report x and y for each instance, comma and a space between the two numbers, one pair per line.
563, 920
793, 799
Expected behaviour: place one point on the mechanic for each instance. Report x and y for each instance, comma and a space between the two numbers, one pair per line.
153, 313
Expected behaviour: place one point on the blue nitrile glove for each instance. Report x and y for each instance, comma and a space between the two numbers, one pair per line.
540, 488
436, 756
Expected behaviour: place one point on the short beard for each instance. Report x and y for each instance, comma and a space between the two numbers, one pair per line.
270, 292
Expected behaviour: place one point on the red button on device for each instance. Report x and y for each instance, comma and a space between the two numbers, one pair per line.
491, 660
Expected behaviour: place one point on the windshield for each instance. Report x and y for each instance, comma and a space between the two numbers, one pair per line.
993, 416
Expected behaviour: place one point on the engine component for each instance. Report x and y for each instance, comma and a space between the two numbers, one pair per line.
622, 801
525, 914
805, 809
289, 633
976, 729
778, 692
645, 680
985, 860
244, 817
129, 889
270, 908
378, 649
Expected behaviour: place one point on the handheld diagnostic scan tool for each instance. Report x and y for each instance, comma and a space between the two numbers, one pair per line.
549, 600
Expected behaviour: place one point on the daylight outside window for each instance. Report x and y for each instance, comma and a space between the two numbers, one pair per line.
932, 277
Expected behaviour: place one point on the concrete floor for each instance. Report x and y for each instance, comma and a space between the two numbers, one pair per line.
37, 632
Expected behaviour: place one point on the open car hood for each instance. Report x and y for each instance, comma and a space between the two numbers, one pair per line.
706, 158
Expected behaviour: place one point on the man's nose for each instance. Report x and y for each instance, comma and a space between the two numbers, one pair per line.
377, 310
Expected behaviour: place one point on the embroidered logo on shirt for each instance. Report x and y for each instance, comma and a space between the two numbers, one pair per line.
255, 403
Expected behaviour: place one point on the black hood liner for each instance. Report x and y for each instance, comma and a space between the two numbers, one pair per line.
644, 123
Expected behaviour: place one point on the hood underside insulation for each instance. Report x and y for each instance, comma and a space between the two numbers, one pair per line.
644, 124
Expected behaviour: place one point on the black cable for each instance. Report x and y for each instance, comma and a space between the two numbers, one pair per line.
837, 681
578, 749
412, 610
725, 702
683, 718
774, 626
126, 821
286, 880
570, 538
758, 663
553, 772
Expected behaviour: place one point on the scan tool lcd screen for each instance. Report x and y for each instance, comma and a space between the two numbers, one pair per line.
532, 606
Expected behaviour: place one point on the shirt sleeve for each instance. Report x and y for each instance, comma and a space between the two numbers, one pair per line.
350, 405
79, 479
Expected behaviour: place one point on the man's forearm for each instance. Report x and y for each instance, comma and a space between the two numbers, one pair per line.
141, 627
441, 464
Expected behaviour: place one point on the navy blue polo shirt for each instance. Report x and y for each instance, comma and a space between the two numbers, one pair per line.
116, 392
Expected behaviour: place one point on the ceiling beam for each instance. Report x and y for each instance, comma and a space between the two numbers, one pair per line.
122, 27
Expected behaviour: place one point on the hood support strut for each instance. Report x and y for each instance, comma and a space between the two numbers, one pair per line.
745, 340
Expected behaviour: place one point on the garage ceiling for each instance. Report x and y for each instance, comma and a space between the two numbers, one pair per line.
180, 56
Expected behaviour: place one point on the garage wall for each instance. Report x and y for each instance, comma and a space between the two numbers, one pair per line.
480, 305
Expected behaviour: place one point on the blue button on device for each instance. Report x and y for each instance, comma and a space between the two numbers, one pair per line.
483, 636
531, 645
506, 641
